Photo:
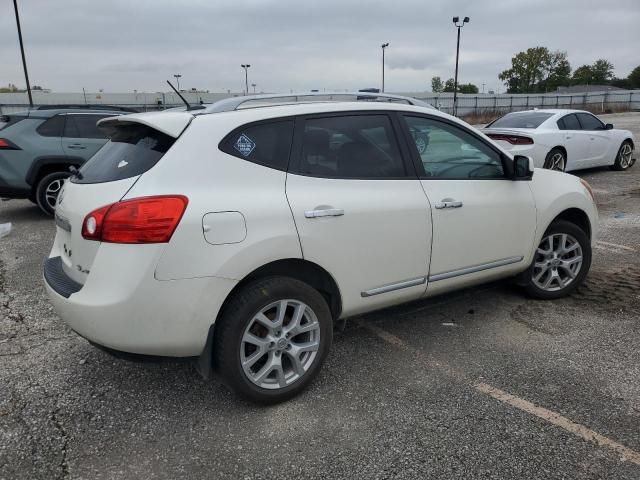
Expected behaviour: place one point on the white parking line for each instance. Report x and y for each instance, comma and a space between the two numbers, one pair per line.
554, 418
604, 245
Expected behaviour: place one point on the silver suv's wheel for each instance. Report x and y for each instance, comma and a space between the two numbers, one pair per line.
560, 262
47, 191
272, 338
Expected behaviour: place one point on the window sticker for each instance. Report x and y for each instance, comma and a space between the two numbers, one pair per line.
245, 145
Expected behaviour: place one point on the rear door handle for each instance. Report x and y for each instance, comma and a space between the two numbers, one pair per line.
77, 146
448, 203
328, 212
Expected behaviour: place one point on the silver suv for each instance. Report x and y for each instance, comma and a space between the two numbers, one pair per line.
38, 146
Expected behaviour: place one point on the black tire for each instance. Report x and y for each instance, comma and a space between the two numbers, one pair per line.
621, 163
549, 161
571, 229
45, 188
236, 318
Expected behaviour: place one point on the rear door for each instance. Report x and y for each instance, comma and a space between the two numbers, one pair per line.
575, 141
359, 208
599, 139
81, 137
483, 222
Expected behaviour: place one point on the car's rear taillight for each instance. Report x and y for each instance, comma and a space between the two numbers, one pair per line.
8, 145
139, 220
512, 139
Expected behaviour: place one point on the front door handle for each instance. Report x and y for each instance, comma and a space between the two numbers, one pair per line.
77, 146
327, 212
448, 203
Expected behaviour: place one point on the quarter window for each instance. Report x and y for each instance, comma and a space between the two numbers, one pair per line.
351, 146
589, 122
267, 144
52, 127
83, 126
449, 152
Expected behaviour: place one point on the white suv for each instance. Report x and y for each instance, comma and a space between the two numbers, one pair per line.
239, 235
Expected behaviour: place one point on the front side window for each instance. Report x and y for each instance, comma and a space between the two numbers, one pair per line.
589, 122
449, 152
83, 126
351, 146
266, 143
570, 122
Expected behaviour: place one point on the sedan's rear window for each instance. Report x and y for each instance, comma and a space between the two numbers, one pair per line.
520, 120
132, 150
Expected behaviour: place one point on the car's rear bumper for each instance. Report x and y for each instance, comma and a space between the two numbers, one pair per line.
121, 306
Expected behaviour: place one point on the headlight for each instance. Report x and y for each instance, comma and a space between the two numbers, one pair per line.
586, 185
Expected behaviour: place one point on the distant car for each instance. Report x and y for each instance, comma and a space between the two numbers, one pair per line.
38, 146
239, 235
563, 140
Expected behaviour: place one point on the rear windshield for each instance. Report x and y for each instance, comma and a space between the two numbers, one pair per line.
520, 120
132, 150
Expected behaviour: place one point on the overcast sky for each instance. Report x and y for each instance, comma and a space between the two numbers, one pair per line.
122, 45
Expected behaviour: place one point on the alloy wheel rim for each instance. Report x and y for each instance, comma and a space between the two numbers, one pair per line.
557, 162
52, 191
558, 261
625, 155
280, 344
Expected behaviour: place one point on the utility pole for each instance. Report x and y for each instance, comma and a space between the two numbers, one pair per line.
24, 61
455, 82
246, 78
177, 76
384, 46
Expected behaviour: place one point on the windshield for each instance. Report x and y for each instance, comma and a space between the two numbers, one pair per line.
520, 120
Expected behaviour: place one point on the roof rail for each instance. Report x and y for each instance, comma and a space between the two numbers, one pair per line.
268, 100
87, 106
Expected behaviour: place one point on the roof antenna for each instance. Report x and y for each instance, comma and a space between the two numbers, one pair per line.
189, 107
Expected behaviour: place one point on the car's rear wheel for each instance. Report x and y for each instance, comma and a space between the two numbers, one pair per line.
48, 189
560, 263
272, 338
623, 159
556, 160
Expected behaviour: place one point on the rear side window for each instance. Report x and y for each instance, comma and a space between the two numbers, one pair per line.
52, 127
570, 122
589, 122
132, 150
520, 120
350, 146
83, 126
266, 143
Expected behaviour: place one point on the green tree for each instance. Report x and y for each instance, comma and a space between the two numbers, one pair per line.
468, 88
436, 85
449, 86
556, 71
527, 70
582, 75
602, 71
634, 78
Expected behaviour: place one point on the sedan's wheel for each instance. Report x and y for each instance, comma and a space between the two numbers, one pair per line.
556, 160
48, 189
272, 338
560, 262
624, 158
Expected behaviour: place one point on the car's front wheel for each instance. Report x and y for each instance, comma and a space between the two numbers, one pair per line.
47, 191
560, 263
272, 338
623, 159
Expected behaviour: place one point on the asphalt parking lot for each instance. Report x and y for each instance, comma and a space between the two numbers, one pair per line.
483, 383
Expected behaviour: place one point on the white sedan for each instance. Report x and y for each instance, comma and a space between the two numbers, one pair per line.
563, 139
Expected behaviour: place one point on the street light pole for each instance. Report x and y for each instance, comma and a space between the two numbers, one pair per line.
254, 88
455, 81
384, 46
178, 80
246, 78
24, 62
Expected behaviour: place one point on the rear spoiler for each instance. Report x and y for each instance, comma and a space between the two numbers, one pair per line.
169, 123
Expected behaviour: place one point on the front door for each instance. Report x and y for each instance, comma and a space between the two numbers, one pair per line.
483, 223
359, 208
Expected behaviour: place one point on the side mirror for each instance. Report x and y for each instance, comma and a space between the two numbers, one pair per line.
522, 167
608, 126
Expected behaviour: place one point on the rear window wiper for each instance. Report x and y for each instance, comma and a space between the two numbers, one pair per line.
75, 172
